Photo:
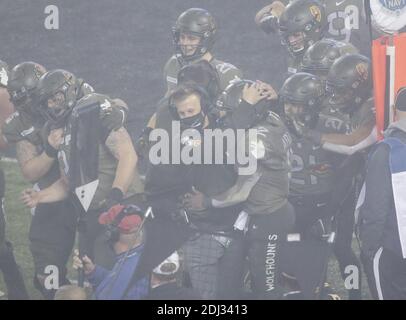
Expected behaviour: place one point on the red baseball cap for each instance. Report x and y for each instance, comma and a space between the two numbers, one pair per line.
127, 224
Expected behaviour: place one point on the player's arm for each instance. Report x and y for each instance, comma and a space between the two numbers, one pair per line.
142, 143
6, 110
121, 147
152, 122
33, 165
58, 191
267, 17
238, 193
351, 139
349, 150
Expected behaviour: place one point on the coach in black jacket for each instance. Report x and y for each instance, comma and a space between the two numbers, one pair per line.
384, 262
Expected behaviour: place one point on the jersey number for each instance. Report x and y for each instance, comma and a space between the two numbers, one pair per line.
298, 165
340, 23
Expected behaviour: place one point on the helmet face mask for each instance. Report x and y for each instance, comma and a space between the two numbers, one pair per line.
349, 82
21, 99
25, 101
302, 24
296, 42
189, 44
299, 117
339, 97
55, 106
57, 93
193, 34
302, 95
22, 84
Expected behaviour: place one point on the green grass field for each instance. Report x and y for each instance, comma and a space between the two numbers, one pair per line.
18, 222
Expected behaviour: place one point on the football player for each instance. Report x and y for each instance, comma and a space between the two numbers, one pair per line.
320, 56
52, 230
264, 194
58, 96
345, 20
11, 272
194, 35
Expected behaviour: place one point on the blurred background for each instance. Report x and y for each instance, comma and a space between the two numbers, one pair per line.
121, 47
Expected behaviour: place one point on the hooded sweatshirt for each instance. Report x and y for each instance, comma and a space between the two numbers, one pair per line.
378, 225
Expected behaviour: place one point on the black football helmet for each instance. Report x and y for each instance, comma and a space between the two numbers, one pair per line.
58, 82
236, 114
319, 58
349, 82
22, 83
305, 19
4, 74
198, 22
305, 92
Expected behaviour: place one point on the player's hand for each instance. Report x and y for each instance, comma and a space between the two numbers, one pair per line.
142, 144
114, 118
275, 8
85, 263
253, 94
55, 138
30, 198
267, 90
194, 201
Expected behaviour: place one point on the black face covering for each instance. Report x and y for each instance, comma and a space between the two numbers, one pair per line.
193, 122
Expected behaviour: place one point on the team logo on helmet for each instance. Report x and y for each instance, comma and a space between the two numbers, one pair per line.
316, 13
38, 71
362, 69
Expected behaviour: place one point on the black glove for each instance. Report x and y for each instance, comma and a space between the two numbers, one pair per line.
142, 144
114, 197
269, 24
113, 118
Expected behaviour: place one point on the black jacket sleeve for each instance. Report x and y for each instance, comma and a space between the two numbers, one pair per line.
378, 201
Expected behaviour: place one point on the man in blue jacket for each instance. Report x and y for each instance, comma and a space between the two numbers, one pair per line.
128, 245
383, 214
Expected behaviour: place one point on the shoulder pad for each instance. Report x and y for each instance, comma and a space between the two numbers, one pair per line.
225, 67
274, 119
105, 101
171, 70
86, 88
15, 130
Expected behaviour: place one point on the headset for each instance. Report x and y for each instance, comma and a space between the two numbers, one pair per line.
205, 100
112, 229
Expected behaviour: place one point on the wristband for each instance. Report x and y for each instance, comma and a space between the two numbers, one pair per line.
115, 194
49, 150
